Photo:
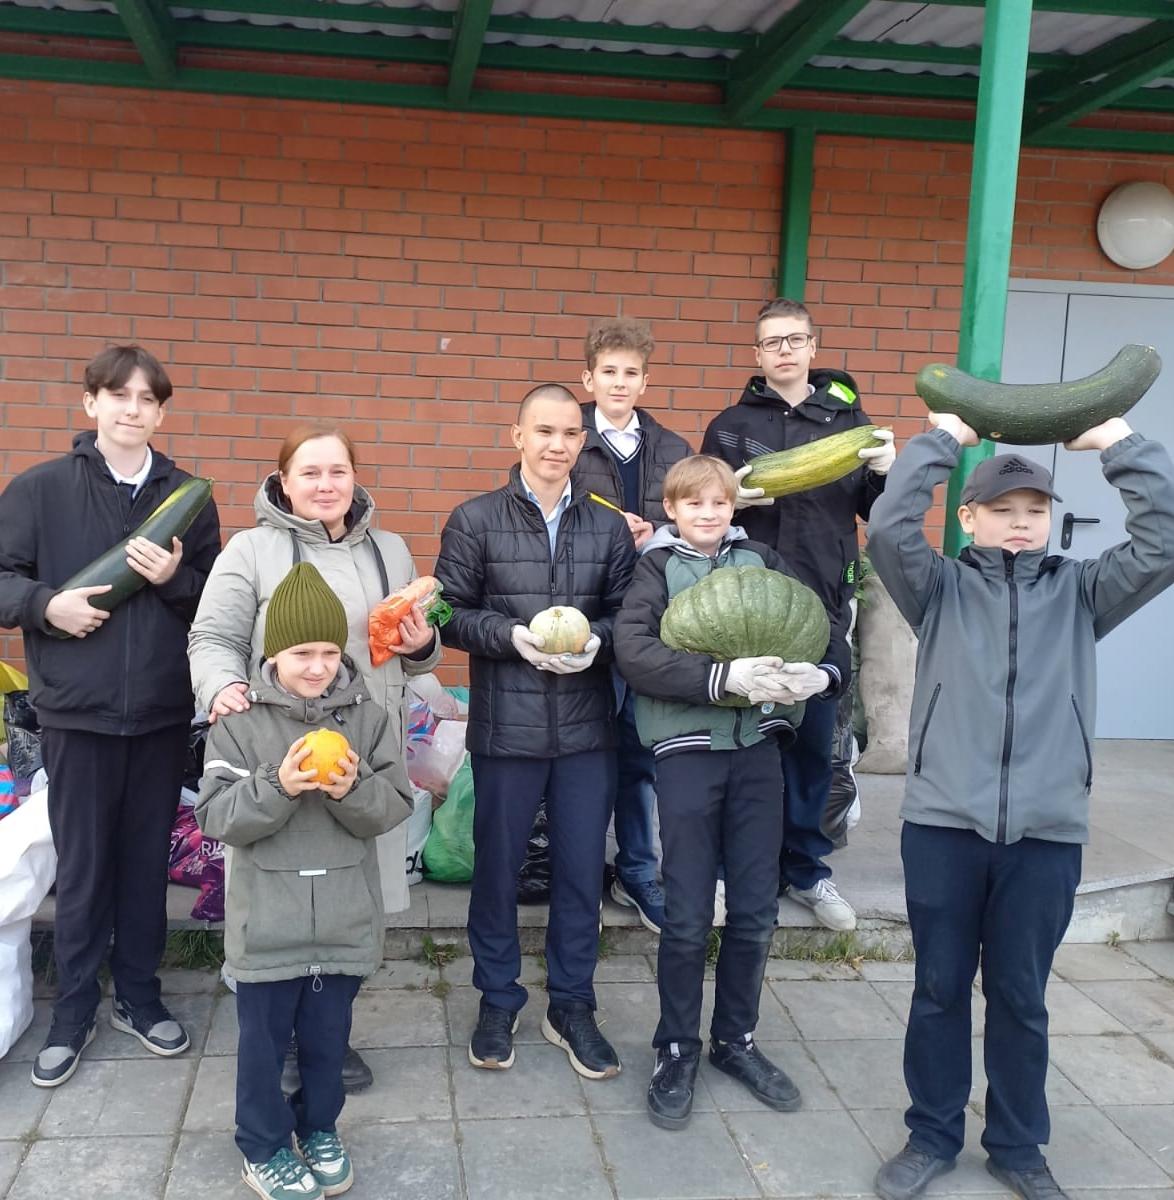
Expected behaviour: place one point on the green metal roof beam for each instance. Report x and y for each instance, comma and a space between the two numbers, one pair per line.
795, 218
277, 40
1152, 10
884, 83
151, 29
1080, 99
60, 22
782, 51
1095, 62
472, 17
961, 56
325, 10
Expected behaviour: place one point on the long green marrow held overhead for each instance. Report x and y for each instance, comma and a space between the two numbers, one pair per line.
172, 518
1035, 414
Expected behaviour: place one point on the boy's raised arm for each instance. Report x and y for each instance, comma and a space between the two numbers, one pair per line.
1128, 575
897, 546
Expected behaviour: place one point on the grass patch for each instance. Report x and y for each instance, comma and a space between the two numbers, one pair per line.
713, 945
838, 948
606, 945
194, 950
440, 988
438, 954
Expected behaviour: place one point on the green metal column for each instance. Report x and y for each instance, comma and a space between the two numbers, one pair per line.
994, 174
795, 223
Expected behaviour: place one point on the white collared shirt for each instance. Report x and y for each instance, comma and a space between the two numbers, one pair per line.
138, 478
625, 442
556, 513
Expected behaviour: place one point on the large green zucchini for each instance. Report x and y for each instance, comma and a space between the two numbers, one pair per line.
805, 467
1034, 414
172, 518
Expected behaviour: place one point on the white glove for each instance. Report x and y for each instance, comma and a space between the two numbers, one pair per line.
771, 687
529, 645
804, 680
748, 497
880, 459
744, 673
570, 664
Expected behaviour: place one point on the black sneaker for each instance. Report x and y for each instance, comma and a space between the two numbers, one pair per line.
492, 1043
747, 1064
356, 1075
647, 898
670, 1091
1035, 1183
573, 1027
59, 1057
153, 1025
909, 1173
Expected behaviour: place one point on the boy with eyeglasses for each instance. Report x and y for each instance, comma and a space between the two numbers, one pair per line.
791, 404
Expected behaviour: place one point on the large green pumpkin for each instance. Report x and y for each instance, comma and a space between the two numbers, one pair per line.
744, 612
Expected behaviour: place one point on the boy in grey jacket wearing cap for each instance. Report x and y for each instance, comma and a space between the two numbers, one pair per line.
304, 911
1000, 770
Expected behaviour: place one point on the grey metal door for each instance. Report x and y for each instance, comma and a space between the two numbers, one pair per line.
1053, 335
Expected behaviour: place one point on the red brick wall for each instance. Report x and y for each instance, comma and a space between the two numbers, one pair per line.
414, 273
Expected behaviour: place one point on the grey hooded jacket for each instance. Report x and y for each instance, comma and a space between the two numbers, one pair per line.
304, 895
1004, 704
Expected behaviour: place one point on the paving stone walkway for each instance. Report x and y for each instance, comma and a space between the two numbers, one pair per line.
432, 1128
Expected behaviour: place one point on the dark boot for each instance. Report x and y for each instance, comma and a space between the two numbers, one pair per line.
356, 1075
743, 1061
670, 1091
1034, 1183
909, 1173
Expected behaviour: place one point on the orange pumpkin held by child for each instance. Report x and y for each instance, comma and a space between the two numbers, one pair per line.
327, 746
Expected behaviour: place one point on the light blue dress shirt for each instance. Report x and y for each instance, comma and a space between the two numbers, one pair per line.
556, 515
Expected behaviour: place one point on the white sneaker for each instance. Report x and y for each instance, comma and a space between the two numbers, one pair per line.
719, 904
830, 908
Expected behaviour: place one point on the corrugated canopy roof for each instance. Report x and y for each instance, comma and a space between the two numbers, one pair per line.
758, 63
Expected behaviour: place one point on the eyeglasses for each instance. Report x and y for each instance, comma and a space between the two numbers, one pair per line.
772, 345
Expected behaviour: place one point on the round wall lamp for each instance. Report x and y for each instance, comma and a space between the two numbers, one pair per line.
1136, 225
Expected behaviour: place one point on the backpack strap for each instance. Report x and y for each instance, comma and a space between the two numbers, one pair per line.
380, 566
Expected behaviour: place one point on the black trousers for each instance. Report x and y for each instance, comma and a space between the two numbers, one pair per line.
717, 806
318, 1010
112, 802
579, 789
1007, 906
807, 776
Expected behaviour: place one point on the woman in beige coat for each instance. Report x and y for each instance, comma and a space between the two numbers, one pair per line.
312, 509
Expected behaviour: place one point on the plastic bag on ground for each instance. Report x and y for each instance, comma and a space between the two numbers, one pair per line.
448, 852
28, 866
432, 761
419, 826
534, 877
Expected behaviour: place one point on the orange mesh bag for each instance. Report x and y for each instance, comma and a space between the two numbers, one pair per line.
383, 635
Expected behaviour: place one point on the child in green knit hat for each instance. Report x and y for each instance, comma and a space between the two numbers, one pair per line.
300, 785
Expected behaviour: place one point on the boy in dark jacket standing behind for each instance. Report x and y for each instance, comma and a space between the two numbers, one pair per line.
304, 911
626, 455
539, 723
113, 695
791, 404
1000, 770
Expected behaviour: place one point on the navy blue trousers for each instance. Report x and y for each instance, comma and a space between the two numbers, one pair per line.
1006, 906
717, 806
318, 1011
635, 794
112, 802
579, 790
807, 780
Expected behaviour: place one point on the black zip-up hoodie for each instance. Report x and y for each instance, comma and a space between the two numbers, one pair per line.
130, 675
498, 571
814, 531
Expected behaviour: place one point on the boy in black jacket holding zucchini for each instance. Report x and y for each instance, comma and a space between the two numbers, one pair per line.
113, 695
720, 790
1000, 770
793, 404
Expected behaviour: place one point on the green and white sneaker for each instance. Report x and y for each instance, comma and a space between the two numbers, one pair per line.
328, 1161
283, 1177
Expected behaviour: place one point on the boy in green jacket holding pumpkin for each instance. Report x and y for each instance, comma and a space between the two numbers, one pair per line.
304, 911
720, 786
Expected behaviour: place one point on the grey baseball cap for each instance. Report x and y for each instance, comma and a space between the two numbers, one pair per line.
1004, 473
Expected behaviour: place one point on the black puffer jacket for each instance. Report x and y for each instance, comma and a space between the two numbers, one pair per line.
498, 572
596, 470
814, 531
131, 675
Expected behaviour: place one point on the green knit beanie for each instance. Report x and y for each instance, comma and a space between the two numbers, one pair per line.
304, 609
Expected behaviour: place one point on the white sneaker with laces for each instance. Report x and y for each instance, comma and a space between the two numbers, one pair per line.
830, 908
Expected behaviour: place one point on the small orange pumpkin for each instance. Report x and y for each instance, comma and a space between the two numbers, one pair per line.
327, 746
